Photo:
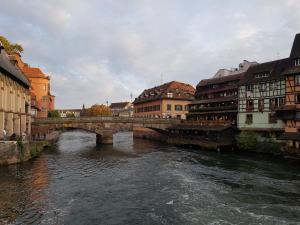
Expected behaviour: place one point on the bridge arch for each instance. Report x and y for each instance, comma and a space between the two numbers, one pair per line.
103, 127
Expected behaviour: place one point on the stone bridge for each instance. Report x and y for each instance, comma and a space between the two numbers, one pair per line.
103, 127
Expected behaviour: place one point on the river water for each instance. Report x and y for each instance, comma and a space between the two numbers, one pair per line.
140, 182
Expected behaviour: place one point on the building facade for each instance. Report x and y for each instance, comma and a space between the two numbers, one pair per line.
121, 109
15, 117
290, 111
40, 87
216, 99
261, 93
169, 100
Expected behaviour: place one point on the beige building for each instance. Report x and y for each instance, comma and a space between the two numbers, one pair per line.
15, 117
169, 100
121, 109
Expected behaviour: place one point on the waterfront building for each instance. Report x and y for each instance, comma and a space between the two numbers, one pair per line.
14, 98
290, 111
216, 99
261, 93
40, 86
169, 100
121, 109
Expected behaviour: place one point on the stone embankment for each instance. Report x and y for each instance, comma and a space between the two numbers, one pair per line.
12, 152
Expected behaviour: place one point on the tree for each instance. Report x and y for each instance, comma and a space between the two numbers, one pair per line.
9, 47
53, 114
99, 110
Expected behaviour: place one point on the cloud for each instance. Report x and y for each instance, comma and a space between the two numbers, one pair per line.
104, 50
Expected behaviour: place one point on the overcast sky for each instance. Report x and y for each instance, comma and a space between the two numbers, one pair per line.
103, 50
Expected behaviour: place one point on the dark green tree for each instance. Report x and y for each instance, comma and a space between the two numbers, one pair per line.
53, 114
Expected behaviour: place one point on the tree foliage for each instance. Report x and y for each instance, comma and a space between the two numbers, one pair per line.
247, 141
99, 110
10, 47
53, 114
251, 141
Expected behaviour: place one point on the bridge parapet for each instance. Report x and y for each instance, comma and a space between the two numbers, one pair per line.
103, 127
107, 119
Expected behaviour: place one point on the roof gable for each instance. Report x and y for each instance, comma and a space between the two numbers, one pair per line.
295, 52
273, 69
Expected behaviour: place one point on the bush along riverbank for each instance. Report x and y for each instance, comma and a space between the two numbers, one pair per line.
253, 142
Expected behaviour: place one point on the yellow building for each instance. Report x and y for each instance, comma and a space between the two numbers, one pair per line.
169, 100
14, 99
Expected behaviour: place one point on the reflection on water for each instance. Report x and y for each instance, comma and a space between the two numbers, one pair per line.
144, 182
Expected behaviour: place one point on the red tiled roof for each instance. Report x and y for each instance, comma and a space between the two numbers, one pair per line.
32, 72
179, 90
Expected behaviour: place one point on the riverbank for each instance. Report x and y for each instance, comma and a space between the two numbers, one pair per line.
239, 142
13, 152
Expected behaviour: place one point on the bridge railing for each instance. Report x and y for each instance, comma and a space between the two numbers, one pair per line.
105, 119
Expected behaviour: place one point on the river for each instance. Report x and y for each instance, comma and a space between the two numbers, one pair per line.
140, 182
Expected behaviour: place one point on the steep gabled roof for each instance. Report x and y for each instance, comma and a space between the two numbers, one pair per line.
274, 69
220, 80
32, 72
118, 105
10, 70
295, 52
179, 90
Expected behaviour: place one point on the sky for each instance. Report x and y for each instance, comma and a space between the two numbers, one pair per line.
104, 50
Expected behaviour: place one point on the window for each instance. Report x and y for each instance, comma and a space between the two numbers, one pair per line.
272, 118
170, 95
44, 109
249, 88
262, 87
260, 105
249, 105
261, 75
297, 62
249, 119
297, 98
44, 98
186, 107
297, 79
169, 107
178, 107
45, 87
281, 101
273, 86
276, 102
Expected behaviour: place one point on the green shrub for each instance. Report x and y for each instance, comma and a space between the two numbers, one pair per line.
251, 141
247, 141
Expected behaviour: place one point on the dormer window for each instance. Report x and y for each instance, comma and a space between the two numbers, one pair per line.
170, 95
297, 62
261, 75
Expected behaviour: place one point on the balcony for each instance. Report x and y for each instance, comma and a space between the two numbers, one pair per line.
287, 112
209, 122
216, 108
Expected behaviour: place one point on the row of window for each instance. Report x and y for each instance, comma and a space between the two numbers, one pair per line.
219, 95
261, 75
150, 108
272, 118
273, 103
